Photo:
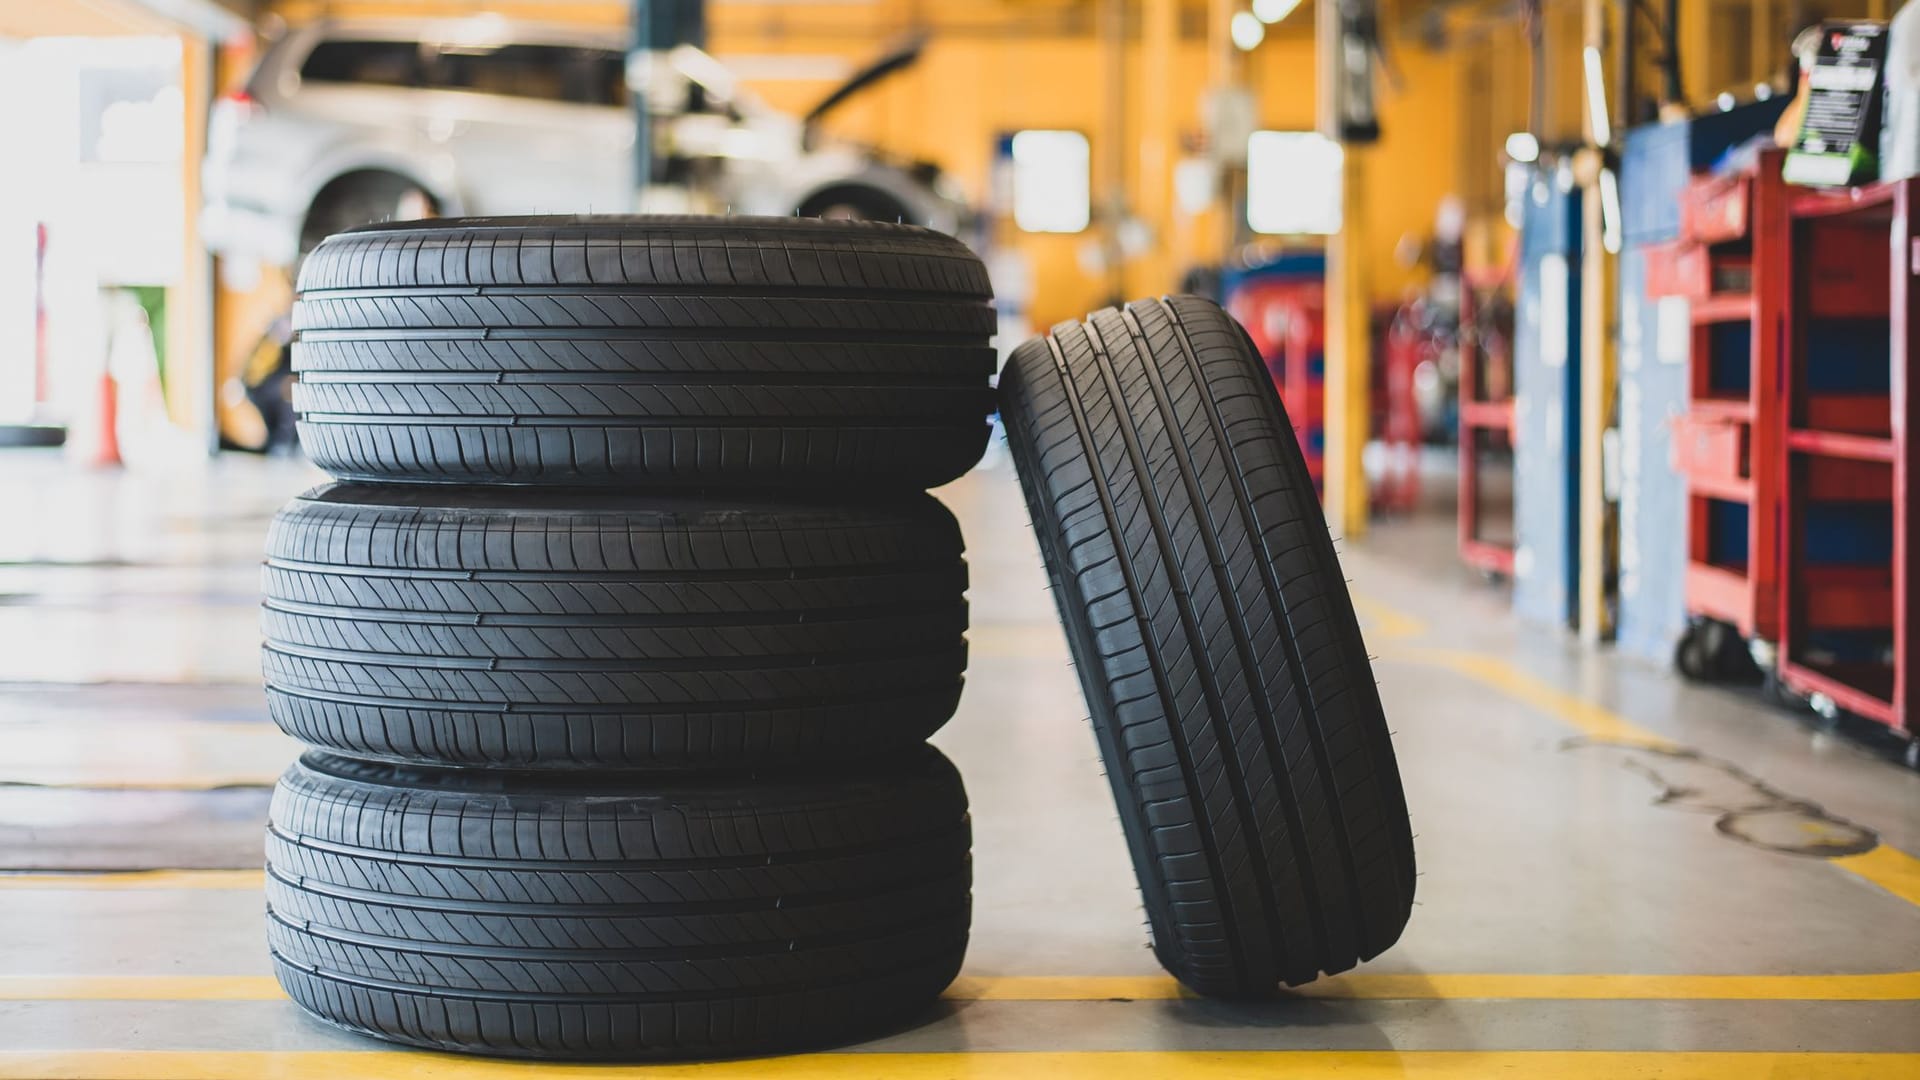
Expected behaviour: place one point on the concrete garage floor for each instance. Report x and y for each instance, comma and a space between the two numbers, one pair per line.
1616, 878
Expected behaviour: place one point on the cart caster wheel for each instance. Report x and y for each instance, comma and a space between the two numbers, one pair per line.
1713, 652
1691, 657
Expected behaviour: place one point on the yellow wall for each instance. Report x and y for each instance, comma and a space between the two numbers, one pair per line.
997, 66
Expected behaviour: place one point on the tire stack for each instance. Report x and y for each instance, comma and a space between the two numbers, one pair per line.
619, 641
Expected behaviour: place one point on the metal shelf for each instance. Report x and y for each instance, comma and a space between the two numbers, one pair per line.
1841, 445
1722, 308
1824, 608
1731, 457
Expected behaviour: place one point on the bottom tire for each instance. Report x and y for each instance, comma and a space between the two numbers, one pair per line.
610, 918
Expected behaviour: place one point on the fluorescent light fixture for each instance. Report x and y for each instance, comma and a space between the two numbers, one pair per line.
1523, 147
1052, 181
486, 31
1247, 31
1293, 183
1609, 212
1597, 98
1272, 11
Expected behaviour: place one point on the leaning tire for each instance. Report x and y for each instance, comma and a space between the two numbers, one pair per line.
645, 351
1216, 644
544, 917
534, 630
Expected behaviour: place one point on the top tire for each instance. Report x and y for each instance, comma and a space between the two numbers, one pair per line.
645, 353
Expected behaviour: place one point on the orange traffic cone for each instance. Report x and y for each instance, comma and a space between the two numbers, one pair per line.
106, 418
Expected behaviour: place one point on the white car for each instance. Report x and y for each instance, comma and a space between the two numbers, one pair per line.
346, 122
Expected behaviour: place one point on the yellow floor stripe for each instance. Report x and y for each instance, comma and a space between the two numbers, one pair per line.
1886, 986
1383, 623
1888, 867
1150, 1065
252, 880
139, 988
1590, 719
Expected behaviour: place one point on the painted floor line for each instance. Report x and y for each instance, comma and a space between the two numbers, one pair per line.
1889, 868
1886, 986
135, 880
1097, 1065
1384, 623
1589, 719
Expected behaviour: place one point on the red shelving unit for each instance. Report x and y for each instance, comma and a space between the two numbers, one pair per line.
1286, 319
1731, 267
1486, 421
1846, 457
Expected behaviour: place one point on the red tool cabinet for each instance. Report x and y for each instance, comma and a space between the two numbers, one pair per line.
1847, 459
1285, 317
1730, 265
1486, 419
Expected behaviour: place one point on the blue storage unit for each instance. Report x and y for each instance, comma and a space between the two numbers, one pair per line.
1654, 342
1546, 380
1654, 334
1654, 165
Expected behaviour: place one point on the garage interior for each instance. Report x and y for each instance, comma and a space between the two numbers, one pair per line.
1596, 361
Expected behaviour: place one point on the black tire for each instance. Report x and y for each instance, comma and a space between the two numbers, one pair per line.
550, 917
535, 630
1216, 643
647, 352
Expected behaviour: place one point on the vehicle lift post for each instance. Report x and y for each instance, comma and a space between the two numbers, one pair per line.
657, 25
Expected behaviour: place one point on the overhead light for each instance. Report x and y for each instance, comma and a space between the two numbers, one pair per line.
1293, 183
1597, 98
1247, 32
1726, 102
1052, 181
1523, 147
1272, 11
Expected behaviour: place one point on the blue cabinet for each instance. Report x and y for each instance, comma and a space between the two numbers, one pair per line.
1546, 379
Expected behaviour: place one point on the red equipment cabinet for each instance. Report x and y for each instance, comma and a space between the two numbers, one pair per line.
1408, 344
1486, 415
1847, 456
1730, 265
1286, 320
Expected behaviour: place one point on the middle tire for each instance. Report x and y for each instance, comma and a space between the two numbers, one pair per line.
530, 630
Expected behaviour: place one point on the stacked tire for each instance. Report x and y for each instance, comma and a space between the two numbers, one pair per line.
619, 640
